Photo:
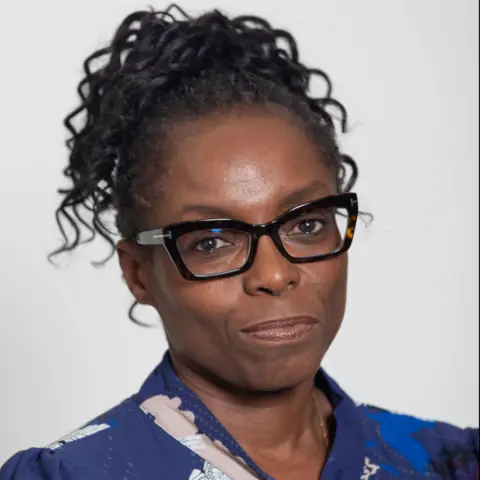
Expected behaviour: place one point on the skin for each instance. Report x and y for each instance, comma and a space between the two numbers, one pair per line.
251, 166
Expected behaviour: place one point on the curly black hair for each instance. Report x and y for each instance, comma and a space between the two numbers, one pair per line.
160, 68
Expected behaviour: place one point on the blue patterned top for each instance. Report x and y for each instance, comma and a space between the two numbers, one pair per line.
166, 432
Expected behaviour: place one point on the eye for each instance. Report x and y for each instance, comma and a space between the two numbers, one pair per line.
210, 244
308, 226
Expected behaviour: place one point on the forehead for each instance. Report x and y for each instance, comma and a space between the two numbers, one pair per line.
245, 164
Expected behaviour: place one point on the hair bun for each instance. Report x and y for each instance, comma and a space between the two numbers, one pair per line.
158, 67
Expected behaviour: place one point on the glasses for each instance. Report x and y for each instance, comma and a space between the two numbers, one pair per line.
215, 248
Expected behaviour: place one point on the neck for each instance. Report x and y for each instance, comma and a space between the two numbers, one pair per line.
274, 423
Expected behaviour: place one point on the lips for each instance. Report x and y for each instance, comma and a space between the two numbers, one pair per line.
281, 329
281, 323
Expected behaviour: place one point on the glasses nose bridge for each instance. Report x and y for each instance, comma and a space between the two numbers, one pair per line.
269, 229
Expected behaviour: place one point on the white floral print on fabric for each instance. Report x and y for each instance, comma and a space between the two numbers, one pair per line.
180, 424
369, 469
78, 435
209, 472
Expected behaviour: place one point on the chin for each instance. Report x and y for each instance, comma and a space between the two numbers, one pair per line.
284, 373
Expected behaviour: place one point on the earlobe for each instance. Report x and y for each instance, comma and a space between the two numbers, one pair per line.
134, 270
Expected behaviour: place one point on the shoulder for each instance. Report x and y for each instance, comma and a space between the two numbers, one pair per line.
391, 424
84, 451
421, 445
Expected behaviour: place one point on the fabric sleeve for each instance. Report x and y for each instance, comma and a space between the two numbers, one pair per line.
458, 452
38, 464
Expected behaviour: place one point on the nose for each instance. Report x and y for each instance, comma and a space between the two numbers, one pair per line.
271, 273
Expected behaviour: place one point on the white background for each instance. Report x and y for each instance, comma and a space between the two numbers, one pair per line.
407, 71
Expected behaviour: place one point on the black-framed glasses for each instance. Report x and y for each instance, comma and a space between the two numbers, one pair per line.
215, 248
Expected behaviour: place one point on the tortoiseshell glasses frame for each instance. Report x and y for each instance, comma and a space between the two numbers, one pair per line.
169, 235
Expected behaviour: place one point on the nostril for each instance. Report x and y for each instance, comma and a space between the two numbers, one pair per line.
265, 290
275, 292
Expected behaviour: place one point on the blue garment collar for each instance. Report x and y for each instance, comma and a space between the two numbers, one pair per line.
347, 451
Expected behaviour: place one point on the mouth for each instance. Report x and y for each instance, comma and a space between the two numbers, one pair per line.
281, 330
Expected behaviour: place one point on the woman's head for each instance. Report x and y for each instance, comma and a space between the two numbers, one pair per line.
210, 118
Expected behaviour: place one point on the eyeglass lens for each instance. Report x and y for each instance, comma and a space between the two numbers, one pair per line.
214, 251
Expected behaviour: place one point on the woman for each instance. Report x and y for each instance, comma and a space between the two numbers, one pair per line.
235, 209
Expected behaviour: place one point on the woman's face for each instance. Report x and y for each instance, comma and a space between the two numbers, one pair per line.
250, 167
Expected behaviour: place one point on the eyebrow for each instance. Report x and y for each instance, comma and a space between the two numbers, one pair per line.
209, 211
292, 199
304, 194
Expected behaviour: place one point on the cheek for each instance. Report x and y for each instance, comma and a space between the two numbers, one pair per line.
329, 279
190, 305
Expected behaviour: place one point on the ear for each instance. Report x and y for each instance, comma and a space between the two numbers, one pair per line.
135, 270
